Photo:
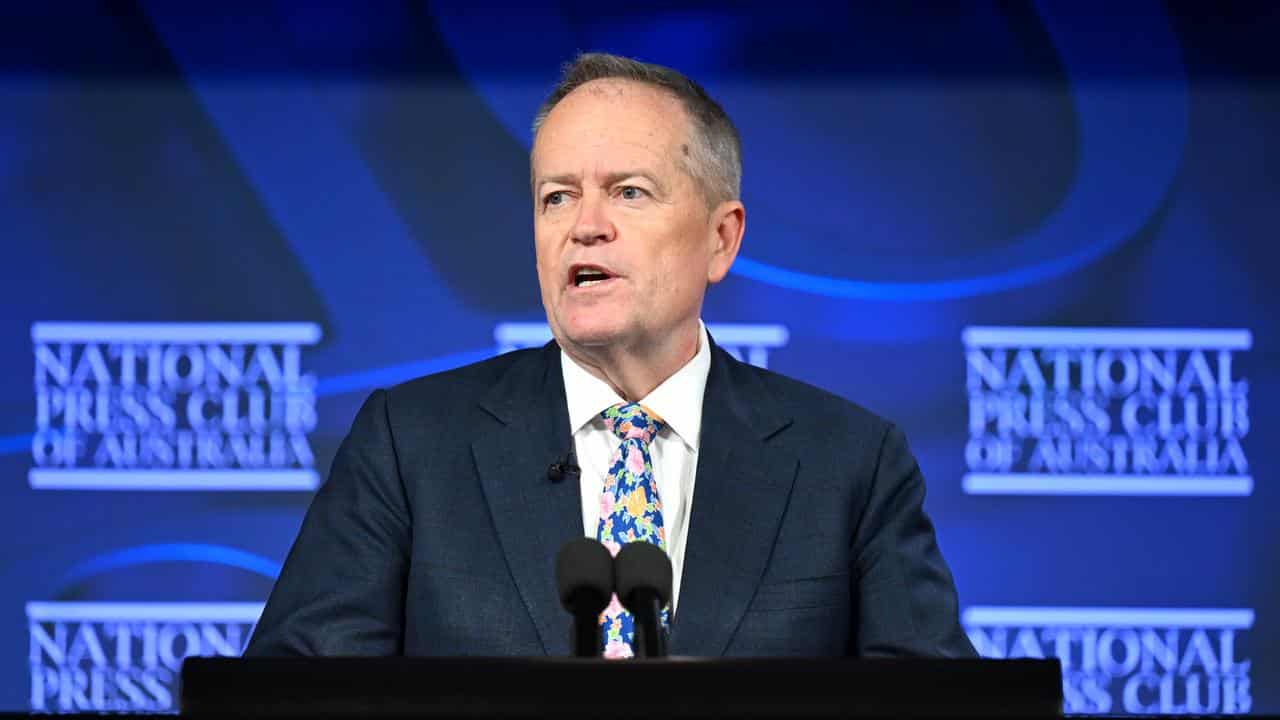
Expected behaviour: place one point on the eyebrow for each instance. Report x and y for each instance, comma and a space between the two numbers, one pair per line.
609, 180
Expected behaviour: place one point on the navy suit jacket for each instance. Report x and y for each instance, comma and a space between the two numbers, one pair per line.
438, 528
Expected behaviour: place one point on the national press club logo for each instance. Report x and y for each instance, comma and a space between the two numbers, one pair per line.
173, 406
125, 656
1106, 411
1129, 660
155, 407
747, 343
1114, 411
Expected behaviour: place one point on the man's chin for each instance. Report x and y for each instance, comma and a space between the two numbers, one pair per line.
592, 335
593, 338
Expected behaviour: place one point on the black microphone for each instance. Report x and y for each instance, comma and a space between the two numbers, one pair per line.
566, 468
642, 578
584, 577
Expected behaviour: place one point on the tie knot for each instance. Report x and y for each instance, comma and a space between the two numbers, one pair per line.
632, 421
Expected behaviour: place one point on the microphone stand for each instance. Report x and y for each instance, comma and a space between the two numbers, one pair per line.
650, 640
586, 635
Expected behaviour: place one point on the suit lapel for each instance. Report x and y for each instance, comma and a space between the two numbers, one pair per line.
533, 515
740, 493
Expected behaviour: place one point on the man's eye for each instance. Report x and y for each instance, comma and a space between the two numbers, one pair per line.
630, 192
555, 198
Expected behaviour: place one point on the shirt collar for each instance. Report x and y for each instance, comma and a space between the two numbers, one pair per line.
678, 399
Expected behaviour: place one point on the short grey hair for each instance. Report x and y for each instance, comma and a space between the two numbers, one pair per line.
714, 159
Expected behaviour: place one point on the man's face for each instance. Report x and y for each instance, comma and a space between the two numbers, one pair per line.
625, 242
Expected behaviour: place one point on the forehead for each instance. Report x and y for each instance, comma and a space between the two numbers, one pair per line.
607, 120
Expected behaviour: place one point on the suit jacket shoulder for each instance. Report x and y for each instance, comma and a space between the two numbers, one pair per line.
820, 423
812, 405
438, 398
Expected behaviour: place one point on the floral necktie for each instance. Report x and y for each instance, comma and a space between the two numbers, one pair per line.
630, 510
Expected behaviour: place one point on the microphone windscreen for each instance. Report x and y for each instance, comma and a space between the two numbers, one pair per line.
584, 576
642, 566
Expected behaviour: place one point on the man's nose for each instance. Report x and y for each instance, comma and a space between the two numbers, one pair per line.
593, 224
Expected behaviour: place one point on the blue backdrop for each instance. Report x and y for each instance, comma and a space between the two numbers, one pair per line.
348, 187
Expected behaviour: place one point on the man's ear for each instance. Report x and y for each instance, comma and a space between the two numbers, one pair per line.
728, 223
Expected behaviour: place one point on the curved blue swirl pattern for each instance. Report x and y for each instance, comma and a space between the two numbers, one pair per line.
170, 552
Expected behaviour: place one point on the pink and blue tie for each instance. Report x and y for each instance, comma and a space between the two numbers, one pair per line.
630, 510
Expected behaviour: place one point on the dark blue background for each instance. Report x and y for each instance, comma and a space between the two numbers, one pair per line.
909, 170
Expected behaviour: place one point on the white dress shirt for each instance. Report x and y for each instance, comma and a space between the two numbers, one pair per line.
678, 401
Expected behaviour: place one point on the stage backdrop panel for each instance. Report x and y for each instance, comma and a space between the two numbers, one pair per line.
1039, 238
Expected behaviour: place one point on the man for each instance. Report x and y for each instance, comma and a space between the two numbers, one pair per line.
793, 518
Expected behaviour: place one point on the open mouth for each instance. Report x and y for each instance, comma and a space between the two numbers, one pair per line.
587, 275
